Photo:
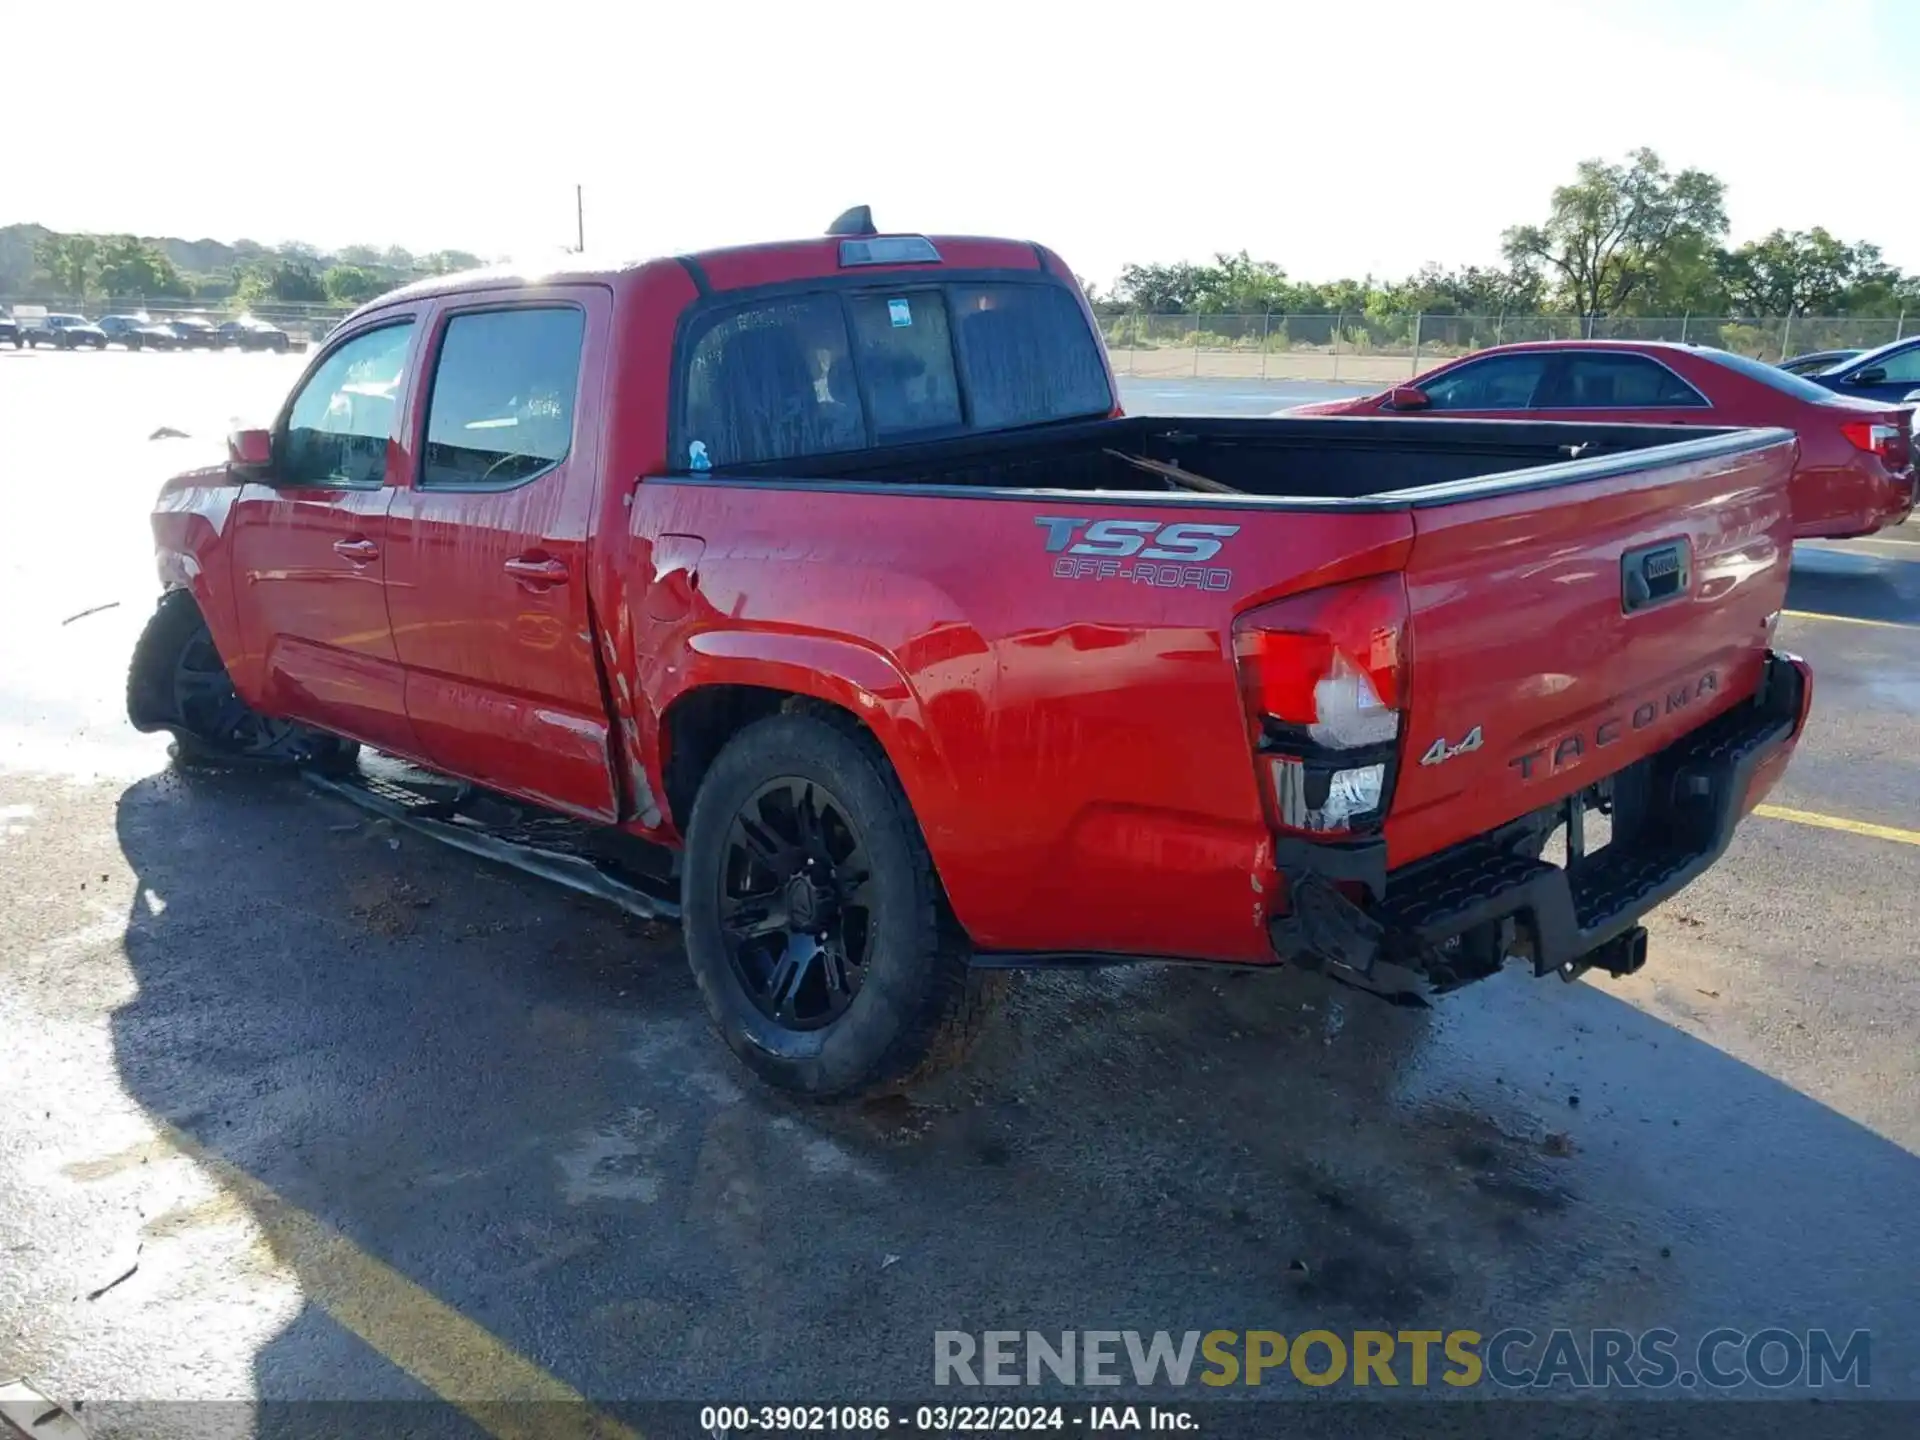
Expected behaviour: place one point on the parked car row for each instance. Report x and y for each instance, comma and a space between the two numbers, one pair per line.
138, 331
1855, 473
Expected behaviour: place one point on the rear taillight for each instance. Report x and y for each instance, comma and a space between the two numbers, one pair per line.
1889, 439
1324, 678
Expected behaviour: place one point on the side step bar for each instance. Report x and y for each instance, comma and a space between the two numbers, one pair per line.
440, 819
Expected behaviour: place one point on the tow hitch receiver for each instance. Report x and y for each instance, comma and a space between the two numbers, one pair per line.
1621, 956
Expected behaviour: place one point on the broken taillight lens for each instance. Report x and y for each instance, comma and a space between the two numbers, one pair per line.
1888, 439
1323, 676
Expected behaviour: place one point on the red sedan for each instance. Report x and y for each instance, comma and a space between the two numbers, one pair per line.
1856, 470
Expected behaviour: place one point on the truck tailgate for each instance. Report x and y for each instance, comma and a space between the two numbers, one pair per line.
1561, 632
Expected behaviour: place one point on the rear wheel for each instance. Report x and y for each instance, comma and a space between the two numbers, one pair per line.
814, 922
178, 682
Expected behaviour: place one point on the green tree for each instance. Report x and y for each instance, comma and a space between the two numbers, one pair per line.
287, 281
1801, 272
446, 262
1241, 285
1606, 235
71, 262
131, 267
352, 284
1161, 289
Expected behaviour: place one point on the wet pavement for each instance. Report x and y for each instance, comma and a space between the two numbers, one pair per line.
352, 1109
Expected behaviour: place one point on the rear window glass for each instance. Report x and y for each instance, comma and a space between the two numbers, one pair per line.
1782, 380
906, 360
1029, 356
841, 369
770, 382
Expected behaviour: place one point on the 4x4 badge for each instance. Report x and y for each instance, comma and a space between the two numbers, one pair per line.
1440, 751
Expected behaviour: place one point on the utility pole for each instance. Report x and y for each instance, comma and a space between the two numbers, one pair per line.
579, 219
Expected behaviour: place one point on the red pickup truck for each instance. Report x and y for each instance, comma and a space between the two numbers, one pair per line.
830, 576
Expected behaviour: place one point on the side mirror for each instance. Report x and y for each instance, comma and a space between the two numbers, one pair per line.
250, 452
1407, 397
1872, 375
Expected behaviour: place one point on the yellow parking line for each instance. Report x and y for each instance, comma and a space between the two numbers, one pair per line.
1835, 822
500, 1390
1851, 620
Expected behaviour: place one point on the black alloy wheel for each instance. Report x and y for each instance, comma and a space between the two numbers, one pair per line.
211, 710
796, 903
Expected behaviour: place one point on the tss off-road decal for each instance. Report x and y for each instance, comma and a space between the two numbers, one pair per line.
1142, 551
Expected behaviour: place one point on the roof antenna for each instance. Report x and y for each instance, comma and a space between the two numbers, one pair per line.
857, 221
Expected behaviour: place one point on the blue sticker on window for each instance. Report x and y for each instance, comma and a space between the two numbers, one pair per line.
697, 457
900, 312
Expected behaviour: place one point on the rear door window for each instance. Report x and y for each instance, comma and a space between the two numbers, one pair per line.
1619, 382
501, 410
1503, 382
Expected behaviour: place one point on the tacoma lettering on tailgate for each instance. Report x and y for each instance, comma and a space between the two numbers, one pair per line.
1569, 748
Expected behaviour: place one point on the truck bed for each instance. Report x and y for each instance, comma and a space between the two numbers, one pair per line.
1310, 461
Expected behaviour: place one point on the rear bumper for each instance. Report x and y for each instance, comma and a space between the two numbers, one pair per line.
1887, 499
1461, 914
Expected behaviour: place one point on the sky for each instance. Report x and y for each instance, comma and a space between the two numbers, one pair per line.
1336, 139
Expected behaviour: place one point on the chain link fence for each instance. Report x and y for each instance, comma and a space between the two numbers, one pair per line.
1366, 349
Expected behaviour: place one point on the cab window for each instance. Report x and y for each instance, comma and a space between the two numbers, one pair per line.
339, 424
850, 366
502, 405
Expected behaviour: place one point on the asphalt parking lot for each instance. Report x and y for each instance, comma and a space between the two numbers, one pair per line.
300, 1108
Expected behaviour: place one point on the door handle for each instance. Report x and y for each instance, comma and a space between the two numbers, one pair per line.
536, 573
360, 551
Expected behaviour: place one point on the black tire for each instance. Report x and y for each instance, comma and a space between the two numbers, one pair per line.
178, 683
909, 1001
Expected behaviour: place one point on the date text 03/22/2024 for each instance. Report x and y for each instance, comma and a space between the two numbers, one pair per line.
726, 1420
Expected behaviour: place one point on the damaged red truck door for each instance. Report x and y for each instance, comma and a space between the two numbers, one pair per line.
487, 559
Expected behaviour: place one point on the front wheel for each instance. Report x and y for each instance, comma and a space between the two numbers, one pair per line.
178, 682
814, 922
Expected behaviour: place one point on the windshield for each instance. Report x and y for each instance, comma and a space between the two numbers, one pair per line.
1784, 381
840, 369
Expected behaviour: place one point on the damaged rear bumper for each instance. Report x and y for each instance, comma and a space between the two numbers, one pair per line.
1463, 913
